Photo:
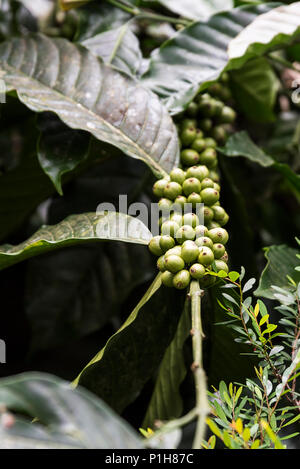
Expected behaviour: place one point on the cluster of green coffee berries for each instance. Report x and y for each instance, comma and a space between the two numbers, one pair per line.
187, 249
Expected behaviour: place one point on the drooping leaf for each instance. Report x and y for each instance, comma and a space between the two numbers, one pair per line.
198, 54
281, 263
57, 75
166, 401
60, 149
69, 4
77, 229
255, 88
119, 47
66, 418
134, 350
201, 9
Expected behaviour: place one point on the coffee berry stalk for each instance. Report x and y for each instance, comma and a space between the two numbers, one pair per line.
190, 246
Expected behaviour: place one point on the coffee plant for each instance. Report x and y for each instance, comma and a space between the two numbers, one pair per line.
149, 224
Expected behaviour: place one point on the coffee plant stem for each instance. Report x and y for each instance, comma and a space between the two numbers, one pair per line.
202, 406
284, 62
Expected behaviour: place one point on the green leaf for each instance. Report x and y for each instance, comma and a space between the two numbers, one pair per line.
233, 275
282, 261
240, 144
57, 75
119, 47
74, 230
166, 401
60, 149
66, 418
255, 87
201, 9
198, 54
130, 357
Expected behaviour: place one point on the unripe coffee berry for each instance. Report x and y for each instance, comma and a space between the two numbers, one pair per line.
169, 228
182, 279
199, 144
191, 185
189, 251
200, 172
179, 203
208, 215
228, 115
192, 109
161, 263
177, 175
205, 124
174, 263
219, 134
224, 220
206, 256
221, 265
189, 157
218, 235
219, 212
208, 157
214, 175
185, 232
194, 199
210, 143
187, 136
201, 230
190, 219
166, 242
158, 187
186, 123
154, 246
218, 250
213, 224
224, 257
165, 204
172, 190
204, 241
209, 196
175, 251
207, 183
197, 271
177, 218
167, 279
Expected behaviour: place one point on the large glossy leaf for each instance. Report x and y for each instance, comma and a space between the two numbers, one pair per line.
196, 10
65, 418
166, 401
130, 357
255, 87
60, 149
199, 53
240, 144
77, 229
119, 47
57, 75
281, 263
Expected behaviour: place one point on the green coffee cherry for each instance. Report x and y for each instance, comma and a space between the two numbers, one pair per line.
206, 108
199, 145
191, 185
189, 251
218, 250
182, 279
172, 190
177, 175
224, 257
177, 218
174, 263
218, 235
217, 186
194, 199
158, 187
209, 196
208, 215
208, 157
175, 251
224, 220
213, 224
199, 133
206, 256
225, 93
167, 279
224, 78
215, 89
200, 231
166, 242
221, 265
204, 241
169, 228
207, 182
179, 203
188, 123
190, 219
185, 233
227, 116
219, 134
189, 157
187, 136
214, 175
205, 124
165, 204
219, 213
197, 271
200, 172
192, 109
154, 246
161, 263
162, 219
210, 143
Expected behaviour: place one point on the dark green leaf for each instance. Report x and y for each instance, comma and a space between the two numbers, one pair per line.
196, 10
